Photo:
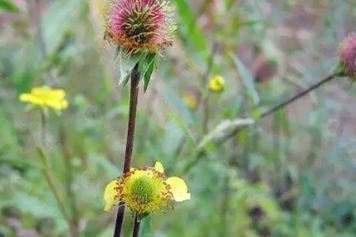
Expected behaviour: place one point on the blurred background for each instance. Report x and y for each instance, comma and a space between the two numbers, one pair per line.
291, 174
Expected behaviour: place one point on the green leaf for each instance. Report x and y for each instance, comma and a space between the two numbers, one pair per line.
151, 64
184, 128
145, 230
224, 129
8, 6
189, 24
43, 156
247, 79
101, 161
126, 65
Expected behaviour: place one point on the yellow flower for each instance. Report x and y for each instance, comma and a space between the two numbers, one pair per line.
190, 101
46, 98
145, 190
217, 84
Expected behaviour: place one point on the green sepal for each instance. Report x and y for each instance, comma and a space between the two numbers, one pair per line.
143, 216
151, 65
145, 230
146, 67
126, 64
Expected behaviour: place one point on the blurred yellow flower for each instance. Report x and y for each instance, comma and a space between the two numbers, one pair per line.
217, 84
46, 98
145, 190
190, 101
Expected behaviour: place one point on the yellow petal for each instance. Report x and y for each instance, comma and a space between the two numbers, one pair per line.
109, 195
108, 207
26, 97
179, 189
64, 104
159, 167
59, 93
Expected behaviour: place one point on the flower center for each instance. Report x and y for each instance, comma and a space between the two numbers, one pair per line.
139, 26
143, 189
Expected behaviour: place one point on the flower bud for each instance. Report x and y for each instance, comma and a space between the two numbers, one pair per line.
348, 57
140, 25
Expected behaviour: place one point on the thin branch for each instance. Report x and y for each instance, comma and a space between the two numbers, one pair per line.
205, 82
40, 39
135, 74
201, 153
298, 96
69, 178
51, 184
62, 208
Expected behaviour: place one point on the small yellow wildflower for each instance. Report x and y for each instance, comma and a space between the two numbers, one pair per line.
46, 98
217, 84
190, 101
145, 190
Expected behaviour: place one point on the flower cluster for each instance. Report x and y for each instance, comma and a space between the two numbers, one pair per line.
145, 190
348, 57
140, 25
217, 84
46, 97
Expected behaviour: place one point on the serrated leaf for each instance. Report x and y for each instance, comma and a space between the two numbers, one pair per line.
8, 6
247, 79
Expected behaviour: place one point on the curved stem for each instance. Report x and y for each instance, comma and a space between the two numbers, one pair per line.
274, 109
135, 74
136, 227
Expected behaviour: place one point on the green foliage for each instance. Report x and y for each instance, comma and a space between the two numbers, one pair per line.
288, 175
8, 6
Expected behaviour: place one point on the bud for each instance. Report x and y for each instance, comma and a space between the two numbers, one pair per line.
140, 25
217, 84
190, 101
348, 57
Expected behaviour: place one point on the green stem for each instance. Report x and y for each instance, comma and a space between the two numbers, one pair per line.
49, 180
69, 177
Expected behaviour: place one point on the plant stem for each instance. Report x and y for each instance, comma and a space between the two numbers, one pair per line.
296, 97
69, 177
206, 114
136, 227
201, 153
64, 212
135, 74
41, 42
52, 186
206, 95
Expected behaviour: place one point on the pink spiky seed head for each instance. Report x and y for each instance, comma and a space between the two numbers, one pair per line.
140, 25
347, 57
